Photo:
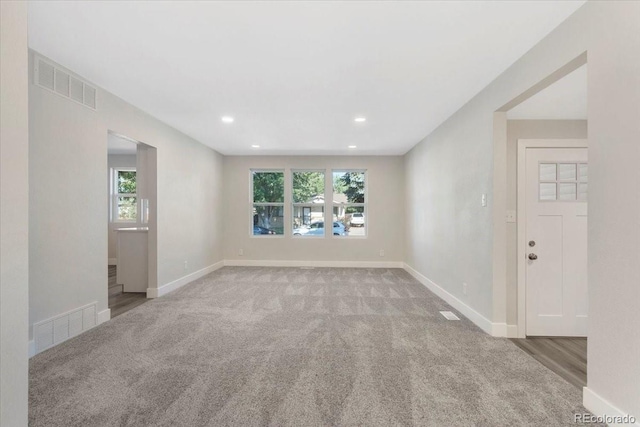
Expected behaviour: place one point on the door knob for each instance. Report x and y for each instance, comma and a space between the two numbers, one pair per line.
533, 257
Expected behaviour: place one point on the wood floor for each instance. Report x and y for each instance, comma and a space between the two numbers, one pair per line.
566, 357
119, 301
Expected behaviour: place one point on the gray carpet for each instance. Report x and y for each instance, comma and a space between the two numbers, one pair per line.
289, 346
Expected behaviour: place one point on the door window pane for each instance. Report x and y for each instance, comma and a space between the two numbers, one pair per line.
584, 172
567, 171
547, 191
567, 191
547, 171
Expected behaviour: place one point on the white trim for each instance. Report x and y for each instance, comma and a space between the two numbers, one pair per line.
287, 263
499, 329
601, 407
521, 215
32, 348
113, 261
498, 202
512, 331
172, 286
468, 312
103, 316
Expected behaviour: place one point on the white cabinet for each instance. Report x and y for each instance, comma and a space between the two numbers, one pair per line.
133, 262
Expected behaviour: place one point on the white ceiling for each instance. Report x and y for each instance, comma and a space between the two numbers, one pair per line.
564, 100
294, 74
118, 145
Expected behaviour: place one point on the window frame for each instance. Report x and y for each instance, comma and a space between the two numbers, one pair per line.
115, 195
253, 204
309, 204
347, 205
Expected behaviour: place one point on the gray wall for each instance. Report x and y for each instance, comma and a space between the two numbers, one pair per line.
451, 238
116, 160
614, 203
447, 172
14, 205
68, 196
527, 129
384, 212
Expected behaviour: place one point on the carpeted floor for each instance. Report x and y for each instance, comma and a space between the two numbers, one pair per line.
301, 347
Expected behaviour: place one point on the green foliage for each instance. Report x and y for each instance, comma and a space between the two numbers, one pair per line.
268, 187
127, 208
127, 182
307, 185
352, 185
270, 217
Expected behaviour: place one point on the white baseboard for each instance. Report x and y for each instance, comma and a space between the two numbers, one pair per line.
512, 331
499, 329
104, 316
113, 261
494, 329
602, 408
172, 286
286, 263
32, 348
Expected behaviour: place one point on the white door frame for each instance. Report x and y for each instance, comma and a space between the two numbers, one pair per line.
521, 216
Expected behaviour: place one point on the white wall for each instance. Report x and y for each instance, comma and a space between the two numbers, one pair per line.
14, 205
614, 204
385, 206
451, 238
527, 129
114, 161
68, 196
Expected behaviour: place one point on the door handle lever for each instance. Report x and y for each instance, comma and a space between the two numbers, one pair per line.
533, 257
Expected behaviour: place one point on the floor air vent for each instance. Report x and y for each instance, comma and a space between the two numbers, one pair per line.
449, 315
53, 78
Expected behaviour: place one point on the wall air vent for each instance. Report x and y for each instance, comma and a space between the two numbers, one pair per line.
50, 332
51, 77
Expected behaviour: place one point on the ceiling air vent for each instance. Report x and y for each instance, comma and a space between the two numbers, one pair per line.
63, 83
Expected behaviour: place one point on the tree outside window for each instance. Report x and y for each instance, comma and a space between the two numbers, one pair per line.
349, 204
124, 200
268, 202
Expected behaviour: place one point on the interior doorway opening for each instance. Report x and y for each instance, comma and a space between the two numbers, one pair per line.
544, 120
131, 222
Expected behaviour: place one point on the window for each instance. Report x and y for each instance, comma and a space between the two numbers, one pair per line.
567, 182
267, 210
124, 201
308, 203
349, 203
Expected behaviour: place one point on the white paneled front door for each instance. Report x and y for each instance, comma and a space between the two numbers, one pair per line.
556, 241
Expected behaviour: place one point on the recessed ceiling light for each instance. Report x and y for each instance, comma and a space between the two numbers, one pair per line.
352, 146
360, 119
227, 119
255, 146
